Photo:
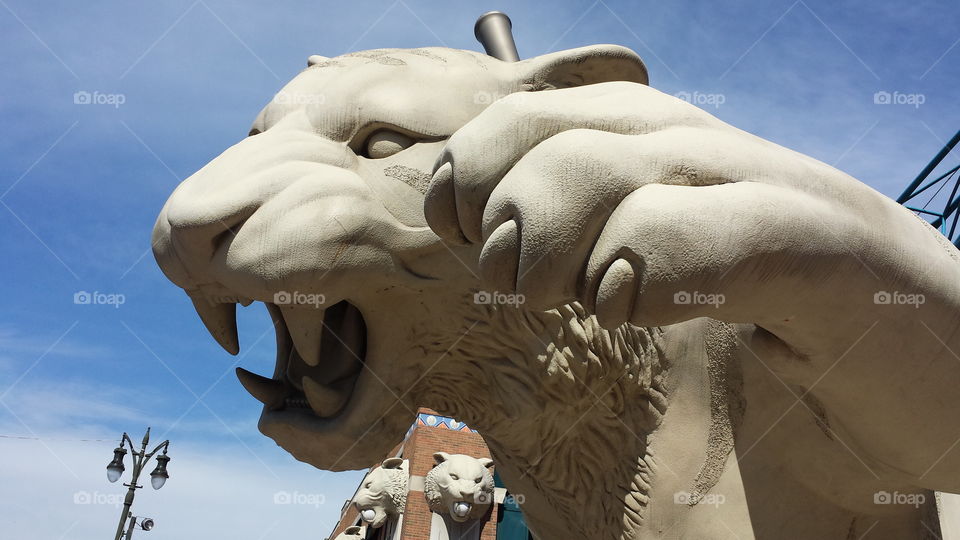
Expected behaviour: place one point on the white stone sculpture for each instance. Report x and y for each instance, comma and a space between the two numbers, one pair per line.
717, 336
383, 493
459, 485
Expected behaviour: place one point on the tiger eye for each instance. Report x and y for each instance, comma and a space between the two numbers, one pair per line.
385, 143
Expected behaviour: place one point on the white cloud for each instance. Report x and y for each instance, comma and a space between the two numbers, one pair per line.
58, 490
14, 341
227, 481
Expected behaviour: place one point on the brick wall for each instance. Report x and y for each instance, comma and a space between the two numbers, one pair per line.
419, 448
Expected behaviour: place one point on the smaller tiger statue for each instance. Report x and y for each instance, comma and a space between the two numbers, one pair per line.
383, 492
459, 485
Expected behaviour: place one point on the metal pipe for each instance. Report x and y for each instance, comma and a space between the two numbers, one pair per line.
133, 521
128, 499
934, 181
494, 31
908, 193
951, 206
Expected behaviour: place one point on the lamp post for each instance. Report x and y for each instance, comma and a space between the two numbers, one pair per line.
157, 478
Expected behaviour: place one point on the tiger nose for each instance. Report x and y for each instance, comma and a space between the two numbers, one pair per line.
191, 229
207, 209
465, 488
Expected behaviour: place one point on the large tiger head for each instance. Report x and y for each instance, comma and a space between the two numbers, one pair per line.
318, 214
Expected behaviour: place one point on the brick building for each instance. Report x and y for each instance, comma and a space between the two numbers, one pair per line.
430, 434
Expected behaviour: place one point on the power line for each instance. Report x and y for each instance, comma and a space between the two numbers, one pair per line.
21, 437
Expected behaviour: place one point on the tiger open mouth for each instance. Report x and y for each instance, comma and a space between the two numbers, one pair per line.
460, 510
320, 355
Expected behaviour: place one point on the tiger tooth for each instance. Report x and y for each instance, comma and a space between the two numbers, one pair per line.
305, 326
283, 341
270, 392
324, 400
221, 321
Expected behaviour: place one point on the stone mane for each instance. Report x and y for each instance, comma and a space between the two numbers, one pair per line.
396, 487
563, 378
431, 491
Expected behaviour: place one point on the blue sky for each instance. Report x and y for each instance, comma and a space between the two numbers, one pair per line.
81, 185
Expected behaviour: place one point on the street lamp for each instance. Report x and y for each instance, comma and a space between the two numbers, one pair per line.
115, 468
145, 524
157, 478
159, 475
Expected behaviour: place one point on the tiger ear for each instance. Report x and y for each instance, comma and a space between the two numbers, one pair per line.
315, 59
486, 462
392, 463
583, 65
440, 457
